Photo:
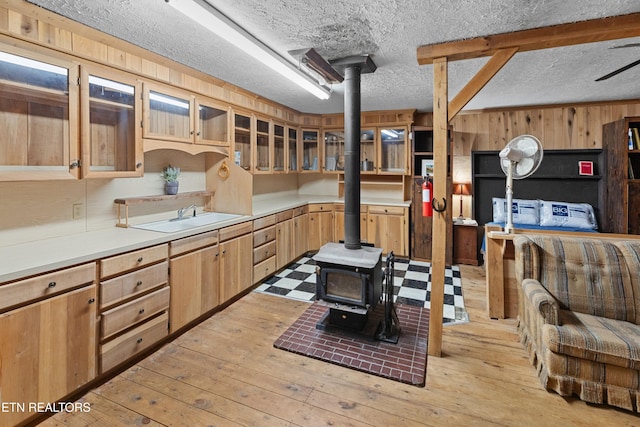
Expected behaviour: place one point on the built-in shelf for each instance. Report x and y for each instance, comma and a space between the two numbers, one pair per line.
127, 201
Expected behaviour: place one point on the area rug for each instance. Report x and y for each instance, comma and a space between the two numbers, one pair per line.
411, 286
405, 361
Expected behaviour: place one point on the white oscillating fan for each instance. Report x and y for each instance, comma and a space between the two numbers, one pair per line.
519, 159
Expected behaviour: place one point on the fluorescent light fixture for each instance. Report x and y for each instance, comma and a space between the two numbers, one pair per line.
390, 133
213, 20
111, 84
25, 62
168, 100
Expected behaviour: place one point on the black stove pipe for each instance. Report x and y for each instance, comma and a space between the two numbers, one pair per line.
352, 157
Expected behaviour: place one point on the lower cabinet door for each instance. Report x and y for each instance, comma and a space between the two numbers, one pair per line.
47, 351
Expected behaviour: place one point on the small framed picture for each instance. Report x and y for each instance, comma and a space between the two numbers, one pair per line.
585, 168
427, 167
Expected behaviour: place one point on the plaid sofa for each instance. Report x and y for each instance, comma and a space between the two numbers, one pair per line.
579, 315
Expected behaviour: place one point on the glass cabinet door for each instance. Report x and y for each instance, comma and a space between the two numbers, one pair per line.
168, 114
393, 150
263, 152
242, 141
278, 148
38, 112
368, 151
111, 135
292, 148
334, 151
211, 123
310, 151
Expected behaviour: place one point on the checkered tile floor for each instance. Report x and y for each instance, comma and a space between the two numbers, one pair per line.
411, 285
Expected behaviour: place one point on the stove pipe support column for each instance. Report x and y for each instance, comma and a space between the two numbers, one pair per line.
352, 157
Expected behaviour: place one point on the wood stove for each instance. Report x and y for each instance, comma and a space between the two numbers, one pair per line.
349, 282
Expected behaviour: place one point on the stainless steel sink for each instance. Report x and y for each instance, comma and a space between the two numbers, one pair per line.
173, 225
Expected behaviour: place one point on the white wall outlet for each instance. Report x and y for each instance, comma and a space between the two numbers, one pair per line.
78, 210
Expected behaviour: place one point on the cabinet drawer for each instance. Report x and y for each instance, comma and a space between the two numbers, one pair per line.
387, 210
45, 285
263, 236
284, 215
263, 252
129, 261
264, 222
228, 233
126, 315
198, 241
128, 345
300, 211
339, 207
264, 269
321, 207
124, 287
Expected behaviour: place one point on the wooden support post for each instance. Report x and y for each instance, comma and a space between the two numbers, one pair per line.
439, 233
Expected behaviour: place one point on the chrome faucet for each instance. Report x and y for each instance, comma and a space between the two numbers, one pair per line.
184, 210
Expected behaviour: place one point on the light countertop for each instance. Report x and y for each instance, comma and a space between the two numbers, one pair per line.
36, 257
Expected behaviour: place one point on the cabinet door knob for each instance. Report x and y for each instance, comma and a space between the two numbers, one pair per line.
91, 300
139, 340
52, 284
138, 165
141, 311
139, 283
224, 252
140, 259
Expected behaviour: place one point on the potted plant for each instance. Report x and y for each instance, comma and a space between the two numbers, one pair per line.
170, 176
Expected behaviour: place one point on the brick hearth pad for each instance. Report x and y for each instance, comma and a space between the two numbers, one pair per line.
405, 361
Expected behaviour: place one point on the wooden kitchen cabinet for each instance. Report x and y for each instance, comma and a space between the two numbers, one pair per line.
279, 148
236, 262
175, 115
293, 165
311, 161
263, 146
284, 238
39, 115
111, 109
320, 225
48, 346
195, 278
300, 231
338, 225
388, 228
134, 294
264, 247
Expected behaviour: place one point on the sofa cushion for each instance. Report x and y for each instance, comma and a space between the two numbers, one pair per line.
595, 338
630, 250
585, 275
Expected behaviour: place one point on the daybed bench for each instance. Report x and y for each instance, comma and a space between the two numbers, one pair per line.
579, 315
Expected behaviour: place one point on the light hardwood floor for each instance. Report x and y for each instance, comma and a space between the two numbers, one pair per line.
225, 372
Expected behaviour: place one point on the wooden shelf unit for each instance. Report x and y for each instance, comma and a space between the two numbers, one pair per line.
369, 181
128, 201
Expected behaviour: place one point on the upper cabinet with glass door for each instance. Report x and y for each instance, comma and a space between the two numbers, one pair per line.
111, 134
39, 113
368, 160
174, 115
334, 150
310, 151
279, 148
262, 146
393, 157
292, 148
242, 130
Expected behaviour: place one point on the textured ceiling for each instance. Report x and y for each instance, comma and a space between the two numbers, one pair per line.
390, 31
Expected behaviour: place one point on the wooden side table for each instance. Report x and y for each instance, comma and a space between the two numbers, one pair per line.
465, 244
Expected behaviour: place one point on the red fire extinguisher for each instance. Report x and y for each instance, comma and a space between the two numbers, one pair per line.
427, 187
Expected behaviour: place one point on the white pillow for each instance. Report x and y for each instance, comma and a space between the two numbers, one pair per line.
563, 214
524, 211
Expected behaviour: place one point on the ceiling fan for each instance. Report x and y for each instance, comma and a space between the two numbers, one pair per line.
621, 69
519, 159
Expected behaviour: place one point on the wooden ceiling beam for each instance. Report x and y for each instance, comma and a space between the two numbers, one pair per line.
595, 30
475, 85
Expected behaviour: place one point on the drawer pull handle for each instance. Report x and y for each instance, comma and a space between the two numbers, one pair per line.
139, 283
140, 259
52, 284
141, 311
91, 300
139, 341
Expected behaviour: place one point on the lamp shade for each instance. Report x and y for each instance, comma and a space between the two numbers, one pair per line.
462, 189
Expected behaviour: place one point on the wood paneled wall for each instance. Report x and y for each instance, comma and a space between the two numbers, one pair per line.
557, 127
